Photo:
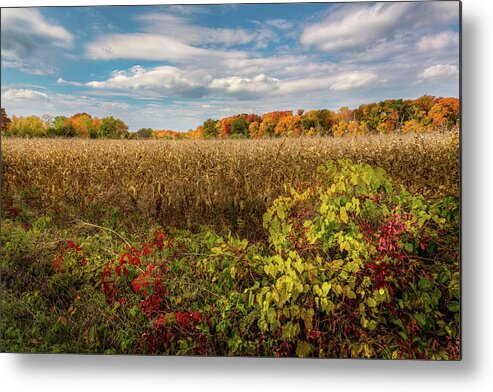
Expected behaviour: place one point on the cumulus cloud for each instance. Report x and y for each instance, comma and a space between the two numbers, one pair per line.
173, 82
244, 88
443, 40
350, 28
439, 71
164, 81
28, 40
352, 80
16, 95
341, 82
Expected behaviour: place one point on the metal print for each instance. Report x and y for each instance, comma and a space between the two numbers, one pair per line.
269, 180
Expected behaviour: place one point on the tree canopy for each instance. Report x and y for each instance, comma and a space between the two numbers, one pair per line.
423, 114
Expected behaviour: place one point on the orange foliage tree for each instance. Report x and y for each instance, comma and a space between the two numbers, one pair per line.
444, 113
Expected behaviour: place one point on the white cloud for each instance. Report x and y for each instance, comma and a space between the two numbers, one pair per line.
195, 34
244, 88
175, 38
341, 82
65, 82
280, 24
164, 81
16, 95
173, 82
436, 13
351, 28
439, 71
153, 47
352, 80
32, 23
29, 40
439, 41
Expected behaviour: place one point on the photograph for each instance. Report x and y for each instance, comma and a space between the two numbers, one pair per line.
276, 180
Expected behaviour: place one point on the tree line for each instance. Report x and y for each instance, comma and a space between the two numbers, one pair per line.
423, 114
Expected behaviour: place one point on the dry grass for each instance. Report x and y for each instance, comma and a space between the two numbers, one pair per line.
223, 183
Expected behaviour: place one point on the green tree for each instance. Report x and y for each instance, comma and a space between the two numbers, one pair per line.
209, 129
112, 128
239, 126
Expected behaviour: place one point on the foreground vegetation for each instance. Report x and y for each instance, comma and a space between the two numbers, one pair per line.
272, 248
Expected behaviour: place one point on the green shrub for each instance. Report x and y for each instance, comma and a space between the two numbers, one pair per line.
360, 267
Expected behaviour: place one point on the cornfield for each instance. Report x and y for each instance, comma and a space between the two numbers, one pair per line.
227, 184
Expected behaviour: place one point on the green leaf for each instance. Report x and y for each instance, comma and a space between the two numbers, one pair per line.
371, 302
343, 215
303, 349
454, 306
271, 315
421, 319
326, 287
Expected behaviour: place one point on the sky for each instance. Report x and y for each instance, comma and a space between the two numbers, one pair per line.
172, 67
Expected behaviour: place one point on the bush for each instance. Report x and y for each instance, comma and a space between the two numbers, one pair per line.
354, 267
360, 268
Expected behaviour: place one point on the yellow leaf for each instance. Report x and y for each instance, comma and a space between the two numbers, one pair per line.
344, 216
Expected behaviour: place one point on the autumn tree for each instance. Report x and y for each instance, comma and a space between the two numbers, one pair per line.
224, 127
252, 117
169, 134
267, 127
84, 125
31, 126
289, 126
444, 113
318, 122
209, 130
270, 120
144, 133
254, 130
61, 126
424, 103
5, 121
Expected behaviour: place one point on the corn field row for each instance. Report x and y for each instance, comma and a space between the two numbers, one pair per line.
226, 183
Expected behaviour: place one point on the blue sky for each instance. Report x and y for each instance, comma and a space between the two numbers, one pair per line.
172, 67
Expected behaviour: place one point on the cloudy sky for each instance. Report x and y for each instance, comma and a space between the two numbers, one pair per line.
172, 67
